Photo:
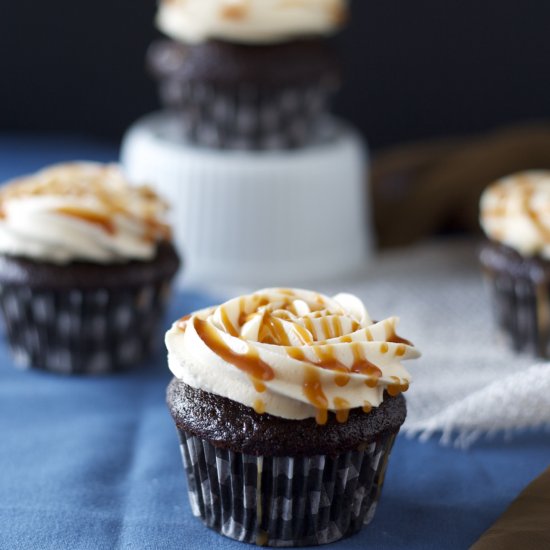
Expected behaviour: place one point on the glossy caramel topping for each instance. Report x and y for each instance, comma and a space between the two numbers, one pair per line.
305, 348
259, 406
250, 362
89, 216
94, 193
313, 390
342, 407
516, 211
397, 387
182, 323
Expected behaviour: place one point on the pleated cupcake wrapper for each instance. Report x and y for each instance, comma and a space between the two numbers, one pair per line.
83, 331
522, 310
250, 118
284, 501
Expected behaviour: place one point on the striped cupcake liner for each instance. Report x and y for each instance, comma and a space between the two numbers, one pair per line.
284, 501
92, 331
522, 311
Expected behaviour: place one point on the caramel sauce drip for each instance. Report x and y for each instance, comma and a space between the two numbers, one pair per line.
394, 338
533, 214
155, 230
342, 379
103, 183
363, 366
367, 407
398, 387
313, 390
310, 326
89, 216
342, 407
325, 327
227, 324
250, 362
272, 331
235, 12
259, 406
260, 387
303, 334
182, 323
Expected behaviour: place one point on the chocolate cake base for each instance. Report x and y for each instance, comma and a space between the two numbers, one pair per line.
84, 318
230, 425
521, 297
268, 481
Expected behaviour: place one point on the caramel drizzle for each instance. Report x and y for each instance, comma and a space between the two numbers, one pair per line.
272, 331
259, 406
343, 408
397, 387
394, 338
313, 390
533, 214
69, 180
89, 216
235, 11
250, 362
181, 324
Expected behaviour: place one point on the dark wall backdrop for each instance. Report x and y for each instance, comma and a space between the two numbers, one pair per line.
414, 69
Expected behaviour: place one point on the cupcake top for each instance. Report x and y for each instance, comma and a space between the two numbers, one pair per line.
292, 353
515, 211
80, 212
249, 21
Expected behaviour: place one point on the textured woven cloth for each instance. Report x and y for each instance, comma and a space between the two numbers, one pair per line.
467, 383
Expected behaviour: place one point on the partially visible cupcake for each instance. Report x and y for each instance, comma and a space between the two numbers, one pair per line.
86, 262
287, 404
515, 216
248, 74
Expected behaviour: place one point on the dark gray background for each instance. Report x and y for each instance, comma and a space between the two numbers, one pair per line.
414, 68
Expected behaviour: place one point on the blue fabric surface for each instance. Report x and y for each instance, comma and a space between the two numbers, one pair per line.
93, 463
24, 154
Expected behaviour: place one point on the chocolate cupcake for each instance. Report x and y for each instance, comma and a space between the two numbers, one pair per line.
515, 216
287, 404
248, 74
86, 262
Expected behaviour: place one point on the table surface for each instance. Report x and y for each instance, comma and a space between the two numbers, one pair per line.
93, 463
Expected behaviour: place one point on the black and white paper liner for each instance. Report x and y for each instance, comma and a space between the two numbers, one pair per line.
284, 501
250, 118
522, 311
83, 331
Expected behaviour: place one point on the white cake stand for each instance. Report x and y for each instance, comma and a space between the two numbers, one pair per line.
258, 218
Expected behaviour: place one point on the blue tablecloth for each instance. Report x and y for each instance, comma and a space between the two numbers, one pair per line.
93, 463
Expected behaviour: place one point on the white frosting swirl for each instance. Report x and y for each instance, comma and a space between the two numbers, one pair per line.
291, 353
516, 212
80, 211
249, 21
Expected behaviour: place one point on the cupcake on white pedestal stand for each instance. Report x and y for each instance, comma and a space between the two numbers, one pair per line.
266, 188
258, 218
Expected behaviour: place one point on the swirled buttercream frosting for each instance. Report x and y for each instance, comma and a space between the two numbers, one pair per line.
249, 21
515, 211
294, 354
80, 212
